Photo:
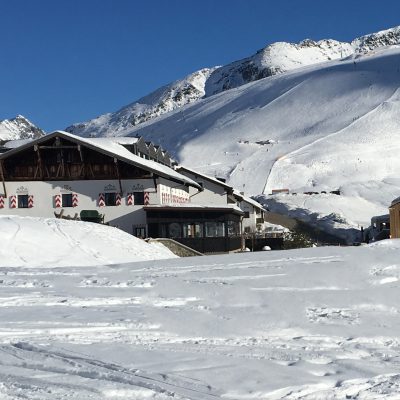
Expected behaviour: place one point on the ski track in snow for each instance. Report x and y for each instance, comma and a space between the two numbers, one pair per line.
305, 324
301, 150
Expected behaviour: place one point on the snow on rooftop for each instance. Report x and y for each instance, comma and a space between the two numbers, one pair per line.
12, 144
123, 140
111, 145
200, 174
248, 200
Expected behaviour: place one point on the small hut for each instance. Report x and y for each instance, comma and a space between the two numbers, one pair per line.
394, 212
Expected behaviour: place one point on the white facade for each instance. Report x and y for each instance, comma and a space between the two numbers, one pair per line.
121, 201
253, 212
47, 199
216, 193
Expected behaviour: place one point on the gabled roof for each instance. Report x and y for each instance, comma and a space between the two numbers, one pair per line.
249, 200
395, 201
203, 176
113, 148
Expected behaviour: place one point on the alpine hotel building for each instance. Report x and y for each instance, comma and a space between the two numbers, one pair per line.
133, 189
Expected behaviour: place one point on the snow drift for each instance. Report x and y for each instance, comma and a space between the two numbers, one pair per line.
31, 242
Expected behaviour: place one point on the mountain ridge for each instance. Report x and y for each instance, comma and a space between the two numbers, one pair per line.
19, 128
274, 59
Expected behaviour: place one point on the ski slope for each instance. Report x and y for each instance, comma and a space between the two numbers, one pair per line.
304, 324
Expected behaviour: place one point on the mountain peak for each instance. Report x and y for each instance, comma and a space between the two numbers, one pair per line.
273, 59
19, 128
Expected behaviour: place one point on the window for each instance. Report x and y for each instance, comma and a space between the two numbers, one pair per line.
233, 228
246, 214
215, 229
110, 199
174, 230
66, 199
138, 198
193, 230
140, 232
23, 201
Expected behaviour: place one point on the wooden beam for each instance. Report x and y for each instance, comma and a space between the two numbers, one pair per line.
2, 177
40, 165
118, 175
83, 169
57, 147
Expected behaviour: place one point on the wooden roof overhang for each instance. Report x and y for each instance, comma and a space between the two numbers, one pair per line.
203, 209
86, 143
229, 189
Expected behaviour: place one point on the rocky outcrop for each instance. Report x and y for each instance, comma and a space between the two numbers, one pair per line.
19, 128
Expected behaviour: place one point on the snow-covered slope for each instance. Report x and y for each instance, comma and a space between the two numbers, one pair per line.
31, 242
290, 325
19, 128
274, 59
163, 100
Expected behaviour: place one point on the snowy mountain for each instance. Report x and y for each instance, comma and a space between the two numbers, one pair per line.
367, 43
274, 59
19, 128
162, 101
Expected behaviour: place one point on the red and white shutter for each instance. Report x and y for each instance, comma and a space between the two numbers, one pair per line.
118, 199
13, 201
129, 199
30, 201
74, 199
146, 198
57, 201
101, 202
1, 201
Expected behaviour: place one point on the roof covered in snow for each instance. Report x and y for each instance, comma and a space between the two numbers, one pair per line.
395, 201
181, 168
249, 200
113, 147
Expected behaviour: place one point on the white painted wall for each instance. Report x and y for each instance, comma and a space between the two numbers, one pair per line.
213, 194
251, 221
124, 216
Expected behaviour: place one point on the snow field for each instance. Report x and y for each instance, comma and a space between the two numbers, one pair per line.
300, 324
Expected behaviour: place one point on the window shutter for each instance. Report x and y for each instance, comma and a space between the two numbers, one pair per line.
13, 201
118, 199
1, 201
57, 201
129, 199
74, 199
102, 202
30, 201
146, 198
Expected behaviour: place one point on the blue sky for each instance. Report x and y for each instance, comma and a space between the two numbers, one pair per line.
66, 61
